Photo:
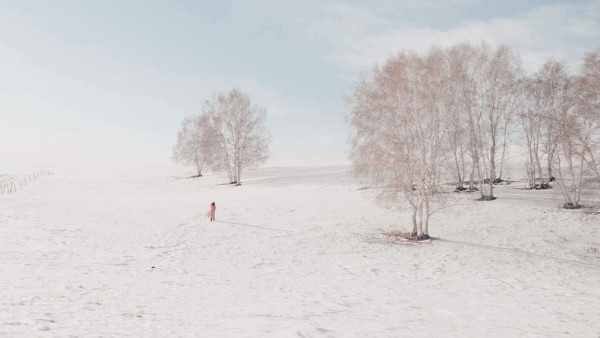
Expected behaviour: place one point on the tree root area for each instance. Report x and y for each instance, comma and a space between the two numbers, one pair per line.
542, 186
463, 189
408, 236
486, 198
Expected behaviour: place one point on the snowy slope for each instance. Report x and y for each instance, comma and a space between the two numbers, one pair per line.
297, 251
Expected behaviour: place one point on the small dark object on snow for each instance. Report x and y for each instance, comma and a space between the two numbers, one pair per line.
542, 186
552, 178
153, 267
486, 198
458, 189
572, 206
412, 237
498, 180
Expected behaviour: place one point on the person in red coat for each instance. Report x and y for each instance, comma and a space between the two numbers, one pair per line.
213, 207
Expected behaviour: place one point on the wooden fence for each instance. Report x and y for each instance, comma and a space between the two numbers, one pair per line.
14, 185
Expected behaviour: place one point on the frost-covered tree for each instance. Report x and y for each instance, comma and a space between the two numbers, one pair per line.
237, 133
191, 147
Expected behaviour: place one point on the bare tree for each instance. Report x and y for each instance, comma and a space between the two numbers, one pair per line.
532, 119
588, 108
458, 60
191, 148
492, 100
237, 133
578, 135
397, 128
554, 83
569, 162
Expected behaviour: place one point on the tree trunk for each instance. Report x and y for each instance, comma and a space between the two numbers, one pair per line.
460, 178
414, 220
549, 168
420, 220
425, 233
539, 167
502, 160
199, 165
471, 178
239, 175
492, 168
481, 190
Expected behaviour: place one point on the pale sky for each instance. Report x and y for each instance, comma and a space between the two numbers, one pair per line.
108, 82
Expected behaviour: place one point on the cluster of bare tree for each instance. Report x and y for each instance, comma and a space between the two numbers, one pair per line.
561, 119
419, 118
228, 136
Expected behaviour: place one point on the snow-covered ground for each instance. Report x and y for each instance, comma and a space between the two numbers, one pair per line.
297, 251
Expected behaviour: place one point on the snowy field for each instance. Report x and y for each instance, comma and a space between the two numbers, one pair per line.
298, 251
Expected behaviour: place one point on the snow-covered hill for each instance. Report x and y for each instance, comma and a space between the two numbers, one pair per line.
298, 251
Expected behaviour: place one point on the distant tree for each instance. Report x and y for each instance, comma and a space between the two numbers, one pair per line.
191, 147
236, 133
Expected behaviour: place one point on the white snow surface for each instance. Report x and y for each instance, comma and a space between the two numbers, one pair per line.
298, 250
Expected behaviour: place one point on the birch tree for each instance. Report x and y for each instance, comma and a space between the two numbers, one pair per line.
492, 101
191, 147
238, 133
569, 160
578, 135
458, 60
555, 89
532, 120
588, 108
396, 131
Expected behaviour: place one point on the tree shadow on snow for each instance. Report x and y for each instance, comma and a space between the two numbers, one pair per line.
286, 176
519, 252
255, 226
